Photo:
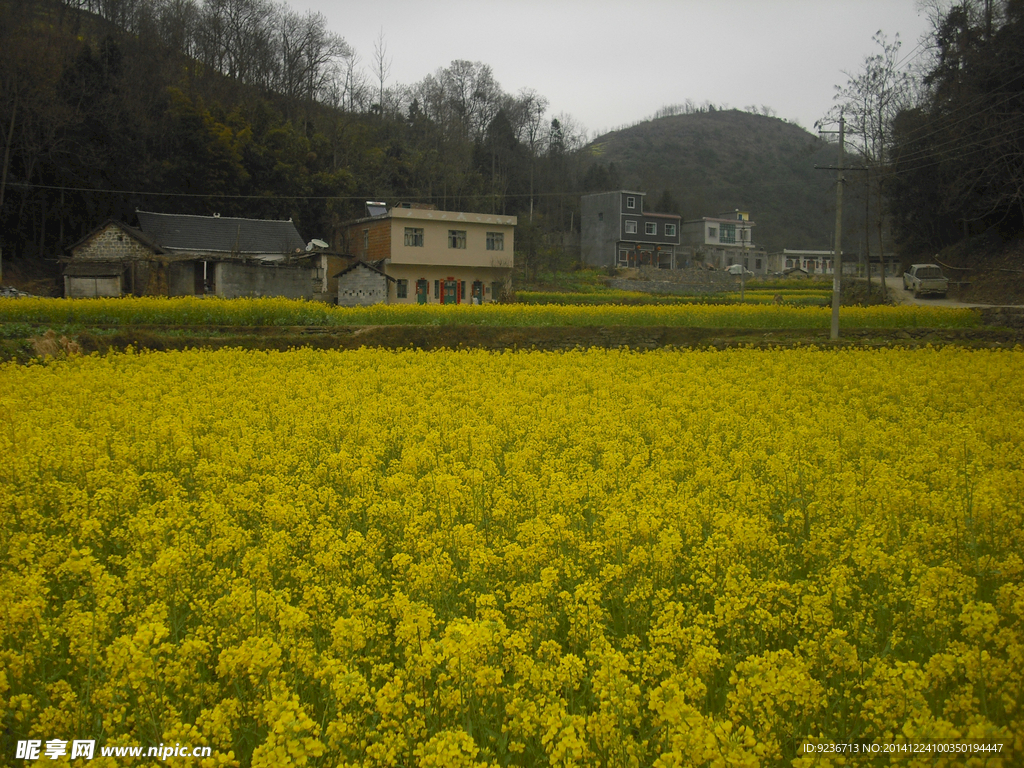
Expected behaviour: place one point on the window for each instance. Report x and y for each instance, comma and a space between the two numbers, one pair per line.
366, 241
623, 257
631, 202
712, 232
670, 230
402, 287
651, 228
757, 263
414, 237
630, 227
728, 234
600, 216
456, 238
789, 263
437, 289
746, 263
495, 241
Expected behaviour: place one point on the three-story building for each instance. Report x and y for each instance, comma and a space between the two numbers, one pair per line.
616, 231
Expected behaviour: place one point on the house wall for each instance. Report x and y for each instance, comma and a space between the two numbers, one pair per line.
362, 287
368, 240
600, 221
147, 277
329, 266
181, 278
435, 250
699, 232
109, 244
623, 202
91, 287
489, 276
232, 280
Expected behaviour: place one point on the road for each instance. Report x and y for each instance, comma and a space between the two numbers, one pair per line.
894, 287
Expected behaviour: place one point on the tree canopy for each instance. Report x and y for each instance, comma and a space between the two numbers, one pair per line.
244, 107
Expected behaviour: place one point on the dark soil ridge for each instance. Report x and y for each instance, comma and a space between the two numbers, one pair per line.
551, 338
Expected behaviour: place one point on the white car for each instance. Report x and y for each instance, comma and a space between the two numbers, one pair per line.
925, 278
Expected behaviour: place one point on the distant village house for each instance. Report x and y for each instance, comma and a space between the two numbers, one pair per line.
615, 231
725, 240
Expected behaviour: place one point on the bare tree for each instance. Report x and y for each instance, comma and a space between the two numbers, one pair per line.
870, 101
381, 67
530, 108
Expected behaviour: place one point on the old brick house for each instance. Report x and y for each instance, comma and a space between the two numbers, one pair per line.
115, 259
185, 255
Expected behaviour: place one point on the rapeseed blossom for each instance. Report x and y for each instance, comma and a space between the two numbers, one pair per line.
379, 558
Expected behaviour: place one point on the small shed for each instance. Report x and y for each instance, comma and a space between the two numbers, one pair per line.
361, 285
112, 260
94, 279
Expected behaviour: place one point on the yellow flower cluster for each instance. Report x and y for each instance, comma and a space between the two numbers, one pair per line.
194, 311
598, 558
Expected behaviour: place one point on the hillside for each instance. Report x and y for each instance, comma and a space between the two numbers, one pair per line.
712, 162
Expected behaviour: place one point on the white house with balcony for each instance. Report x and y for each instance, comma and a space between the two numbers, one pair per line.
725, 240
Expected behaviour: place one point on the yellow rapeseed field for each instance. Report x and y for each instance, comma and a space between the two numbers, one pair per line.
599, 558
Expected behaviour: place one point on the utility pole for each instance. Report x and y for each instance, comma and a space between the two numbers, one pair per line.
837, 256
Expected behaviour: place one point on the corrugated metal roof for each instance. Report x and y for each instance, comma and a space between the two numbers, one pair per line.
220, 234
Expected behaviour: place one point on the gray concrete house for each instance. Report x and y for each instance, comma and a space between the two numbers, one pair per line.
362, 284
185, 255
615, 231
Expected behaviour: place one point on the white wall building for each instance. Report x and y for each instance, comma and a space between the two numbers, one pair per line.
725, 240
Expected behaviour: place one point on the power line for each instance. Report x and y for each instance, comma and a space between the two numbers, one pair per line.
24, 185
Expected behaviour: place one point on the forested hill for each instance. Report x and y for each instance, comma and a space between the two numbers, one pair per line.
248, 108
715, 161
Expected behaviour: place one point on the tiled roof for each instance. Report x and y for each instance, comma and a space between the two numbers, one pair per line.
370, 267
220, 234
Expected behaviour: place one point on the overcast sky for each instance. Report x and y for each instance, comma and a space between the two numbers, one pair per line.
610, 63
